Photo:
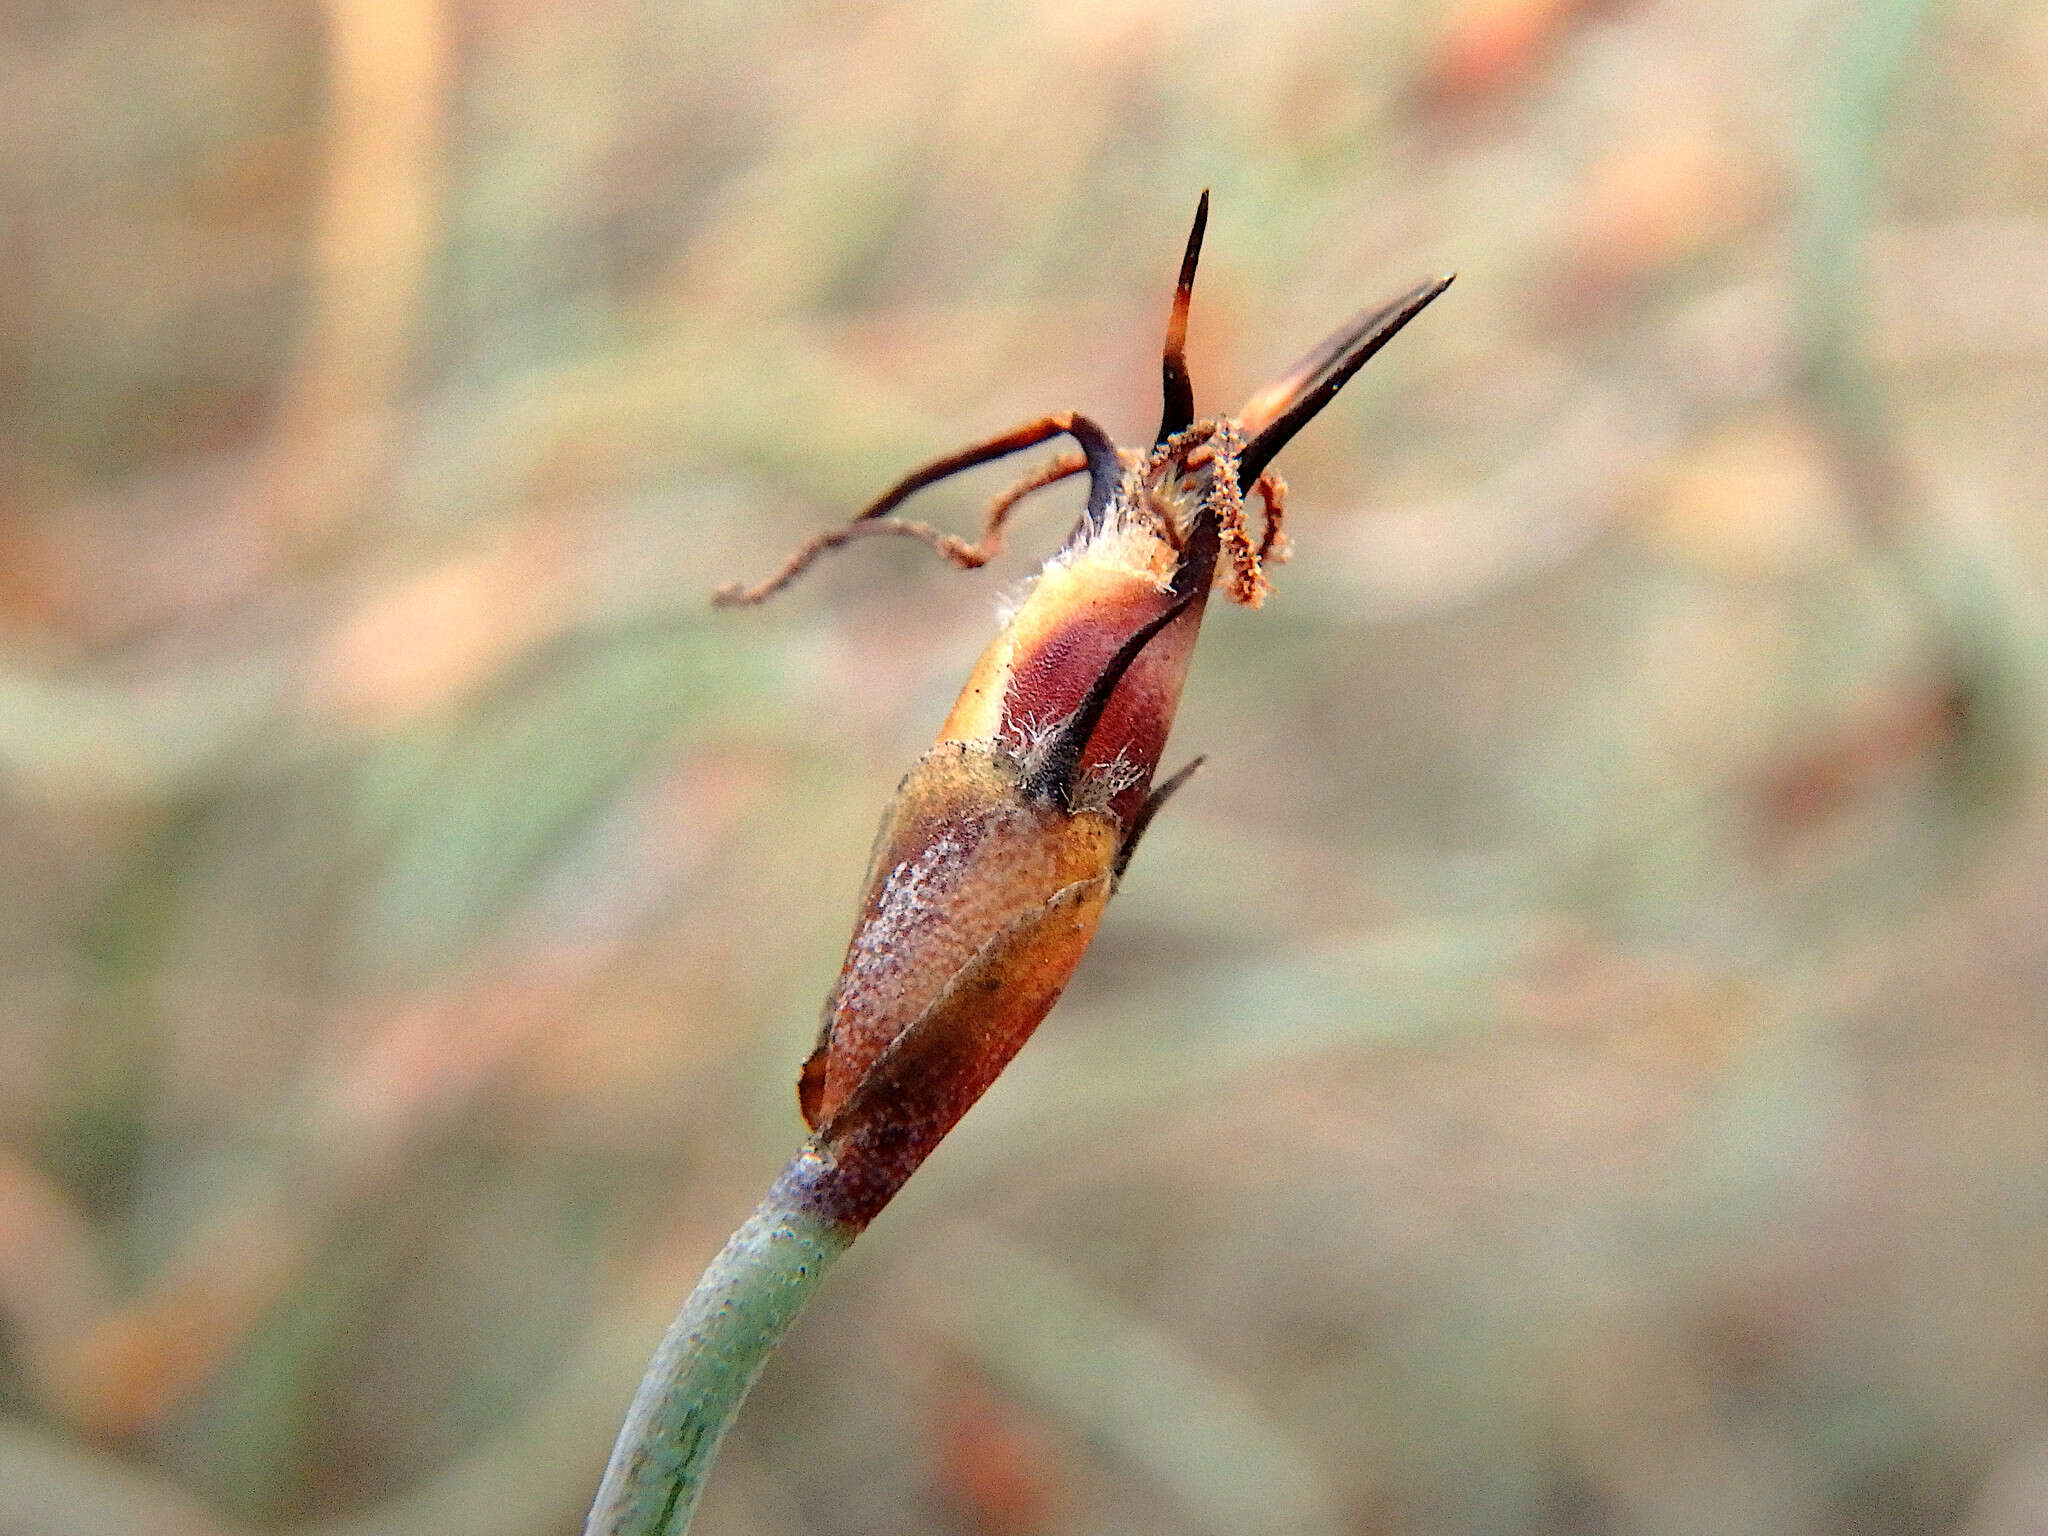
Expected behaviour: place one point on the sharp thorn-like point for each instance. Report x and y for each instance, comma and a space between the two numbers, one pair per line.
1315, 382
1159, 796
1178, 388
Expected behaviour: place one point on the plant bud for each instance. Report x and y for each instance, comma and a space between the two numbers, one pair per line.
1006, 840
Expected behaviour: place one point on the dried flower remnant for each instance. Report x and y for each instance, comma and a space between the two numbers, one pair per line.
996, 857
1006, 840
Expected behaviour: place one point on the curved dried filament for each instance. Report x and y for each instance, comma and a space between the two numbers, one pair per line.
949, 545
1247, 583
1272, 493
1072, 462
1098, 456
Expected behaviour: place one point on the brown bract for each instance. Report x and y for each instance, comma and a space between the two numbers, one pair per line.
1033, 677
1006, 840
965, 857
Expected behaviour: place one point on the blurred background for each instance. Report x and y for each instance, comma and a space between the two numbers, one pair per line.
1577, 1062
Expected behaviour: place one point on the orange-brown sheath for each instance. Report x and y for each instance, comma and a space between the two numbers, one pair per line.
988, 877
962, 854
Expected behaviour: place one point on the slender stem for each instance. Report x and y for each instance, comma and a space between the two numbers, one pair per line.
1871, 59
712, 1355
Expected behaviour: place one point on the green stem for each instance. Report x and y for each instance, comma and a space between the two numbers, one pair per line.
1872, 56
712, 1355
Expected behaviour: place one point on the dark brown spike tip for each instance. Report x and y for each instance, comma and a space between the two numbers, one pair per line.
1272, 416
1179, 390
1148, 810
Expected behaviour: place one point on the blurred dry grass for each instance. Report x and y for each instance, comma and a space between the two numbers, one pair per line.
1576, 1063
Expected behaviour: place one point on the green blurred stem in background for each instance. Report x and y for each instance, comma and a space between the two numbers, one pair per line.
712, 1355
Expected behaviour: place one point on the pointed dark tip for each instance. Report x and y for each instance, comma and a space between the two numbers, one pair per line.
1159, 796
1194, 248
1177, 387
1331, 367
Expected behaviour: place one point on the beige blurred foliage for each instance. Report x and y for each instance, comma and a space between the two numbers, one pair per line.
1575, 1062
